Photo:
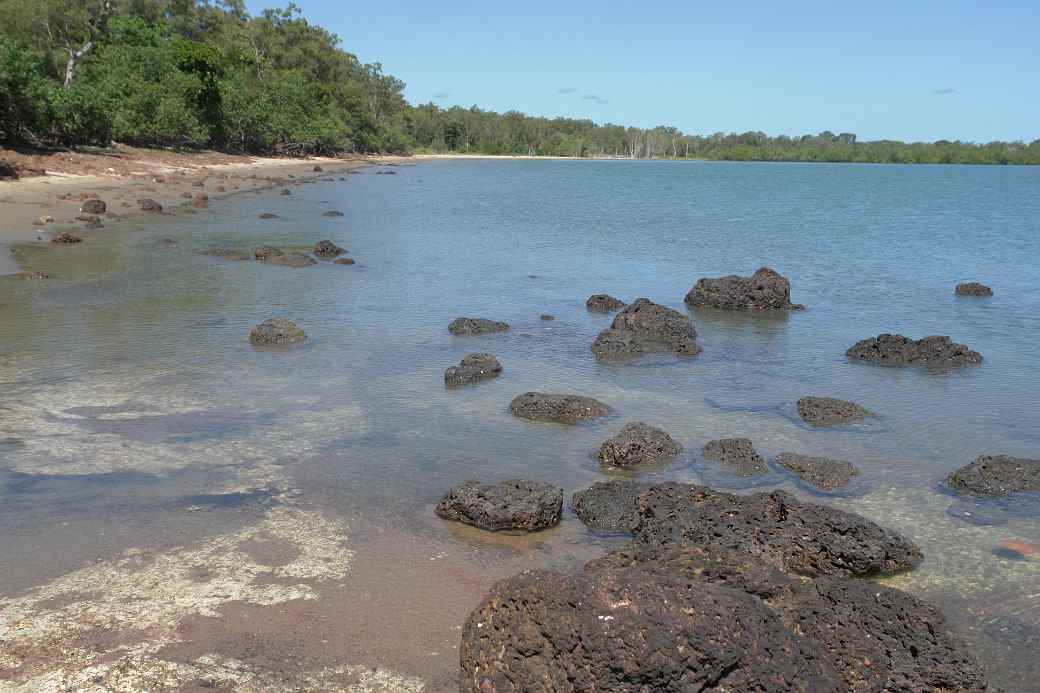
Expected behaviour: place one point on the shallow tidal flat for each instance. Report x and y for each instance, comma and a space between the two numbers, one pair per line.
180, 509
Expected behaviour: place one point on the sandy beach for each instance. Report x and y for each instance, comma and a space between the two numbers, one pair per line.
46, 200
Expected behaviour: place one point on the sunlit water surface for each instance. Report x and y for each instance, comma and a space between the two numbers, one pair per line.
129, 392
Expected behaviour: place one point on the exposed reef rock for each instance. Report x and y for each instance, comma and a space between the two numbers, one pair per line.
736, 454
827, 411
897, 350
996, 475
638, 444
645, 326
603, 303
515, 504
823, 473
472, 368
565, 409
476, 326
766, 289
973, 289
277, 331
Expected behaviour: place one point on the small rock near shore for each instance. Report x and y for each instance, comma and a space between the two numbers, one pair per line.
93, 206
473, 368
766, 289
738, 454
327, 249
638, 444
516, 505
149, 205
476, 326
564, 409
897, 350
973, 289
821, 472
317, 169
277, 331
996, 475
827, 411
604, 303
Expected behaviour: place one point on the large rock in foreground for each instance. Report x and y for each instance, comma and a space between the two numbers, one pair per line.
472, 368
476, 326
823, 473
509, 505
897, 350
645, 326
996, 475
603, 303
790, 535
766, 289
827, 411
736, 454
632, 631
277, 331
638, 444
565, 409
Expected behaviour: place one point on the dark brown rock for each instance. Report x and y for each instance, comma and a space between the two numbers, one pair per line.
268, 215
545, 317
277, 331
66, 238
565, 409
93, 206
471, 369
343, 261
516, 505
317, 169
201, 201
996, 475
821, 472
327, 249
827, 411
604, 303
638, 444
609, 504
973, 289
286, 191
738, 455
645, 326
266, 253
332, 213
476, 326
766, 289
897, 350
149, 205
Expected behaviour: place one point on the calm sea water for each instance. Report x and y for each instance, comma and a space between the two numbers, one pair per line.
129, 391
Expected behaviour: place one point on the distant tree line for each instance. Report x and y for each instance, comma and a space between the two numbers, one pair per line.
207, 74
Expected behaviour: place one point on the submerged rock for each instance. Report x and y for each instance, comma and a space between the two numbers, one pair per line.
897, 350
973, 289
473, 368
790, 535
332, 213
66, 239
265, 253
292, 260
609, 504
638, 444
545, 317
225, 254
565, 409
508, 505
277, 331
827, 411
821, 472
476, 326
766, 289
149, 205
268, 215
327, 249
286, 191
603, 303
343, 261
996, 475
737, 454
93, 206
645, 326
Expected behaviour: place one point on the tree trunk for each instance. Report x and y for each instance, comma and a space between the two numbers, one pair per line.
74, 57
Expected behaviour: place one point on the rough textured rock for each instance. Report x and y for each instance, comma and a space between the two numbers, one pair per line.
827, 411
738, 455
766, 289
277, 331
93, 206
476, 326
609, 504
343, 261
603, 303
226, 254
515, 504
327, 249
645, 326
821, 472
66, 238
792, 536
265, 253
897, 350
149, 205
996, 475
637, 444
973, 289
877, 638
332, 213
473, 368
565, 409
630, 630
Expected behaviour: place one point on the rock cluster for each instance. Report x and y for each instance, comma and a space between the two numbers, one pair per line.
827, 411
996, 475
565, 409
766, 289
508, 505
645, 326
473, 368
897, 350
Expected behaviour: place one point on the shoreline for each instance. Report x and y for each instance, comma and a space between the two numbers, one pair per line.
67, 180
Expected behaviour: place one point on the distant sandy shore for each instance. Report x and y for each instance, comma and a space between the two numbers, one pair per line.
46, 200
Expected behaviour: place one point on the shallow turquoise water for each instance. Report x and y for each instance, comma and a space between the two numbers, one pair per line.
128, 382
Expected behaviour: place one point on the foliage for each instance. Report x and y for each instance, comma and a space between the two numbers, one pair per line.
206, 73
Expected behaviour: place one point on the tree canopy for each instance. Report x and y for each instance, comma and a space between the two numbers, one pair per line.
207, 74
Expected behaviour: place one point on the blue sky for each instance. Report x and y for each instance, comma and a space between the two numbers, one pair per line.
902, 70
